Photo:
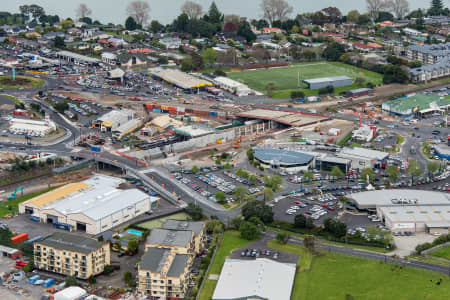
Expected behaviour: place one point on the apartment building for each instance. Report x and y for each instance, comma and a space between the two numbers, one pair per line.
71, 255
164, 270
431, 71
428, 54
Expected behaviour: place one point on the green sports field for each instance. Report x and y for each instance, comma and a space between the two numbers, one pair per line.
286, 78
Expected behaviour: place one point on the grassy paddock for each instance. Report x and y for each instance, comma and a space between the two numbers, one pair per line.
333, 276
443, 252
286, 78
14, 204
27, 82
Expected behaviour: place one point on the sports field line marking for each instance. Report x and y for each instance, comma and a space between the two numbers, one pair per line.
308, 65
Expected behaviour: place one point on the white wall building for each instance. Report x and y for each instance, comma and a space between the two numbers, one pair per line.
232, 86
114, 119
92, 206
31, 127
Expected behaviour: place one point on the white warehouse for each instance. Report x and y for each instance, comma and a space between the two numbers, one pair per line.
114, 119
92, 206
232, 86
31, 127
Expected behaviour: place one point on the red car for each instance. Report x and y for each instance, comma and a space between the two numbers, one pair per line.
297, 202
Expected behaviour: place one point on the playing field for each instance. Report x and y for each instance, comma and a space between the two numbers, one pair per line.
287, 78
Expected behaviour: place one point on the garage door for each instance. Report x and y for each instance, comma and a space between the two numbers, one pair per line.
52, 219
29, 210
81, 226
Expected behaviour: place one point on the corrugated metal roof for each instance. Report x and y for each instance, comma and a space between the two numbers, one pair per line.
166, 237
179, 263
71, 242
57, 194
283, 156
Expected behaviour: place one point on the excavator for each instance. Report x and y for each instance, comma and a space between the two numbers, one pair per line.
13, 195
238, 141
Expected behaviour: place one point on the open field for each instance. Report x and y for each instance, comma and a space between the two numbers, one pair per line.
286, 78
443, 252
14, 204
231, 241
26, 82
333, 276
157, 223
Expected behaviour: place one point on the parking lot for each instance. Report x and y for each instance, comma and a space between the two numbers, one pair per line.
316, 207
215, 181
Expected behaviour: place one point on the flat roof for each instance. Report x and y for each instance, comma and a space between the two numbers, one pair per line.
96, 198
363, 153
78, 56
193, 226
71, 242
430, 214
166, 237
420, 101
444, 150
384, 197
178, 265
260, 278
193, 130
180, 79
290, 118
327, 79
154, 258
283, 156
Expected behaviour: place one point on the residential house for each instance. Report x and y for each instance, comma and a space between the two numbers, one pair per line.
170, 43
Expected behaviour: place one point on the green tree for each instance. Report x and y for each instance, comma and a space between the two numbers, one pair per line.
268, 194
156, 27
236, 222
336, 172
250, 154
252, 179
333, 51
92, 280
240, 192
393, 172
195, 169
195, 211
309, 242
59, 42
436, 7
220, 197
249, 231
187, 65
133, 246
130, 24
414, 169
300, 221
209, 56
367, 173
255, 208
270, 87
128, 278
282, 237
71, 281
308, 176
432, 167
214, 15
353, 16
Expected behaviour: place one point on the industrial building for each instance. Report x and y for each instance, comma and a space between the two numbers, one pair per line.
358, 92
193, 131
77, 58
364, 158
318, 83
283, 118
71, 255
180, 79
235, 87
407, 210
92, 206
419, 105
114, 119
442, 152
31, 127
261, 278
164, 269
289, 161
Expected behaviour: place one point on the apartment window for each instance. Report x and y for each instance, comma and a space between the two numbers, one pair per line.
162, 281
64, 253
148, 274
154, 281
170, 281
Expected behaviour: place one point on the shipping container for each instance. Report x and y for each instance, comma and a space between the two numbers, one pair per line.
180, 109
35, 219
165, 111
96, 148
19, 238
35, 239
189, 110
157, 106
172, 108
149, 106
156, 110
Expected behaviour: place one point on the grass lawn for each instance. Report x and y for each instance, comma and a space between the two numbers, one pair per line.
27, 82
286, 79
14, 204
231, 241
157, 223
333, 276
443, 252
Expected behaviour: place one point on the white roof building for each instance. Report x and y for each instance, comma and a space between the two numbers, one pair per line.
232, 86
363, 134
114, 119
70, 293
93, 205
31, 127
261, 278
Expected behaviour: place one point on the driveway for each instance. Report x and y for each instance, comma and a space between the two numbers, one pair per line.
406, 245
